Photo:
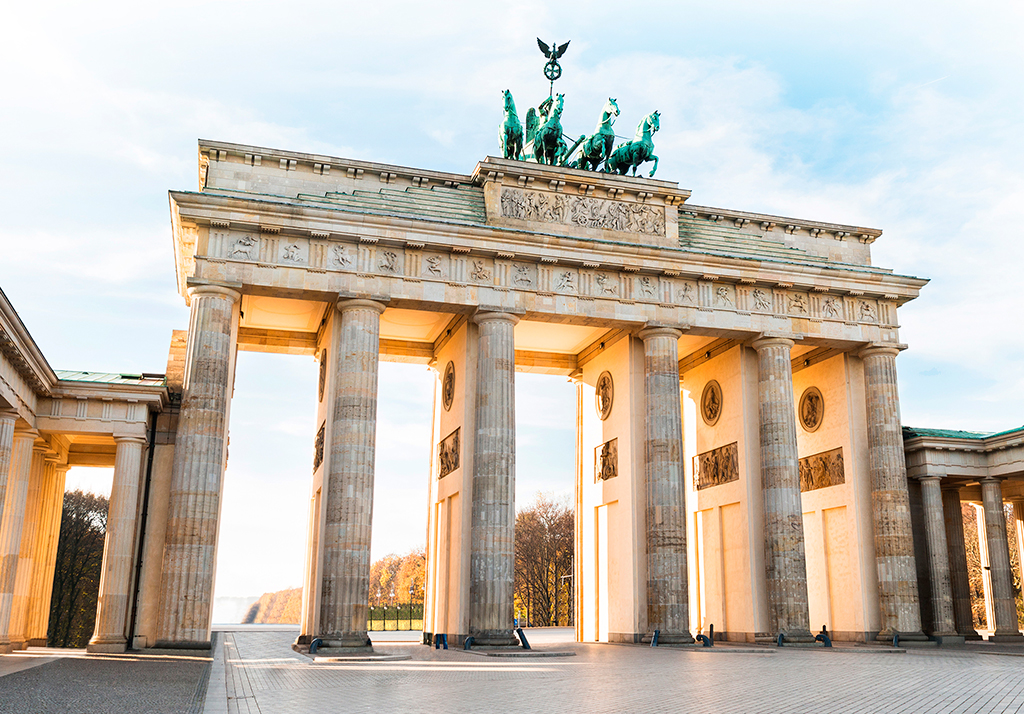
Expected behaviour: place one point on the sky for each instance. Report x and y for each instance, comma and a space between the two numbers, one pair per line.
900, 116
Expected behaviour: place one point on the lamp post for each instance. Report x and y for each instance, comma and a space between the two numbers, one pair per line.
410, 605
379, 595
392, 605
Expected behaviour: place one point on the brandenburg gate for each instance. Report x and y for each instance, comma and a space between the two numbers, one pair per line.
739, 453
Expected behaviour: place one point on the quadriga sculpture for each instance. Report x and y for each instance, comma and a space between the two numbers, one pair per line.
547, 141
633, 153
511, 130
598, 146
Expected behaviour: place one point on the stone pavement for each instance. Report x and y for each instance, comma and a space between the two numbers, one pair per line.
44, 681
255, 671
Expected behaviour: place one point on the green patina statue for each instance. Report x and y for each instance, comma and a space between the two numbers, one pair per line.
548, 147
598, 146
511, 130
633, 153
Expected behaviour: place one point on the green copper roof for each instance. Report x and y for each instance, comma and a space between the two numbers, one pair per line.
910, 432
706, 236
148, 380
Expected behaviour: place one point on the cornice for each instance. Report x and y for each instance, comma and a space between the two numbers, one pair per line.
18, 346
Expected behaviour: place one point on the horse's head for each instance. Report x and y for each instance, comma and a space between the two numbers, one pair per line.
611, 107
654, 120
509, 103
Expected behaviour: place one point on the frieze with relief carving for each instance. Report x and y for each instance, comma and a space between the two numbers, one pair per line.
715, 467
606, 461
448, 454
583, 211
822, 470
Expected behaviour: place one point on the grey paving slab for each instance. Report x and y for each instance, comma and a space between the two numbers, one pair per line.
264, 675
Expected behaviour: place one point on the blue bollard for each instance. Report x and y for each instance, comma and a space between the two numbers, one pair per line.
822, 637
778, 641
315, 645
468, 643
522, 638
703, 639
654, 640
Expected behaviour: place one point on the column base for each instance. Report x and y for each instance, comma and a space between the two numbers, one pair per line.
972, 635
669, 638
107, 647
37, 642
6, 648
1007, 637
17, 644
350, 641
495, 638
948, 640
182, 645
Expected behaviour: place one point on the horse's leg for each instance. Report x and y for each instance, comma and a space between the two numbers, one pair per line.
655, 166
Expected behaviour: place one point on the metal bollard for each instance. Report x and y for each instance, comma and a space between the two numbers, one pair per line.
896, 639
468, 643
703, 639
822, 637
654, 640
315, 645
779, 639
522, 638
711, 633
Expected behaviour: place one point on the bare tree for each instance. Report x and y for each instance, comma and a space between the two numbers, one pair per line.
76, 578
544, 557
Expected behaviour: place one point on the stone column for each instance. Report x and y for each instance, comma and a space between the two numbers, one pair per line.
668, 605
17, 631
1004, 605
345, 583
16, 459
938, 560
118, 548
785, 564
492, 537
200, 455
960, 583
894, 539
40, 628
41, 585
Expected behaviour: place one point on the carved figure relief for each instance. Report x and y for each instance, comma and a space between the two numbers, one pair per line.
244, 247
584, 211
448, 386
608, 287
646, 286
292, 253
830, 307
565, 282
480, 271
606, 461
323, 373
715, 467
522, 277
687, 293
761, 301
722, 296
812, 409
434, 265
798, 304
604, 395
448, 454
867, 313
340, 257
822, 470
711, 403
388, 261
318, 447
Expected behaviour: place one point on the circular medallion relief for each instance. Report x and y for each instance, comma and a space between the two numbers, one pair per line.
711, 403
448, 386
604, 395
812, 409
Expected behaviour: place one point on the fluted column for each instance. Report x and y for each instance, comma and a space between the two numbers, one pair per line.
15, 497
42, 581
115, 577
26, 550
938, 557
39, 628
492, 539
960, 582
7, 422
345, 584
894, 539
668, 607
785, 563
200, 455
1004, 604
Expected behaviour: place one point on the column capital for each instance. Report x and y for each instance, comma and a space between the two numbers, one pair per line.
8, 414
653, 330
346, 303
197, 289
991, 479
876, 349
28, 433
130, 439
928, 477
767, 340
487, 316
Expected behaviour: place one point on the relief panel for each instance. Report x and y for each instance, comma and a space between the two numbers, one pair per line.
582, 211
715, 467
822, 470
